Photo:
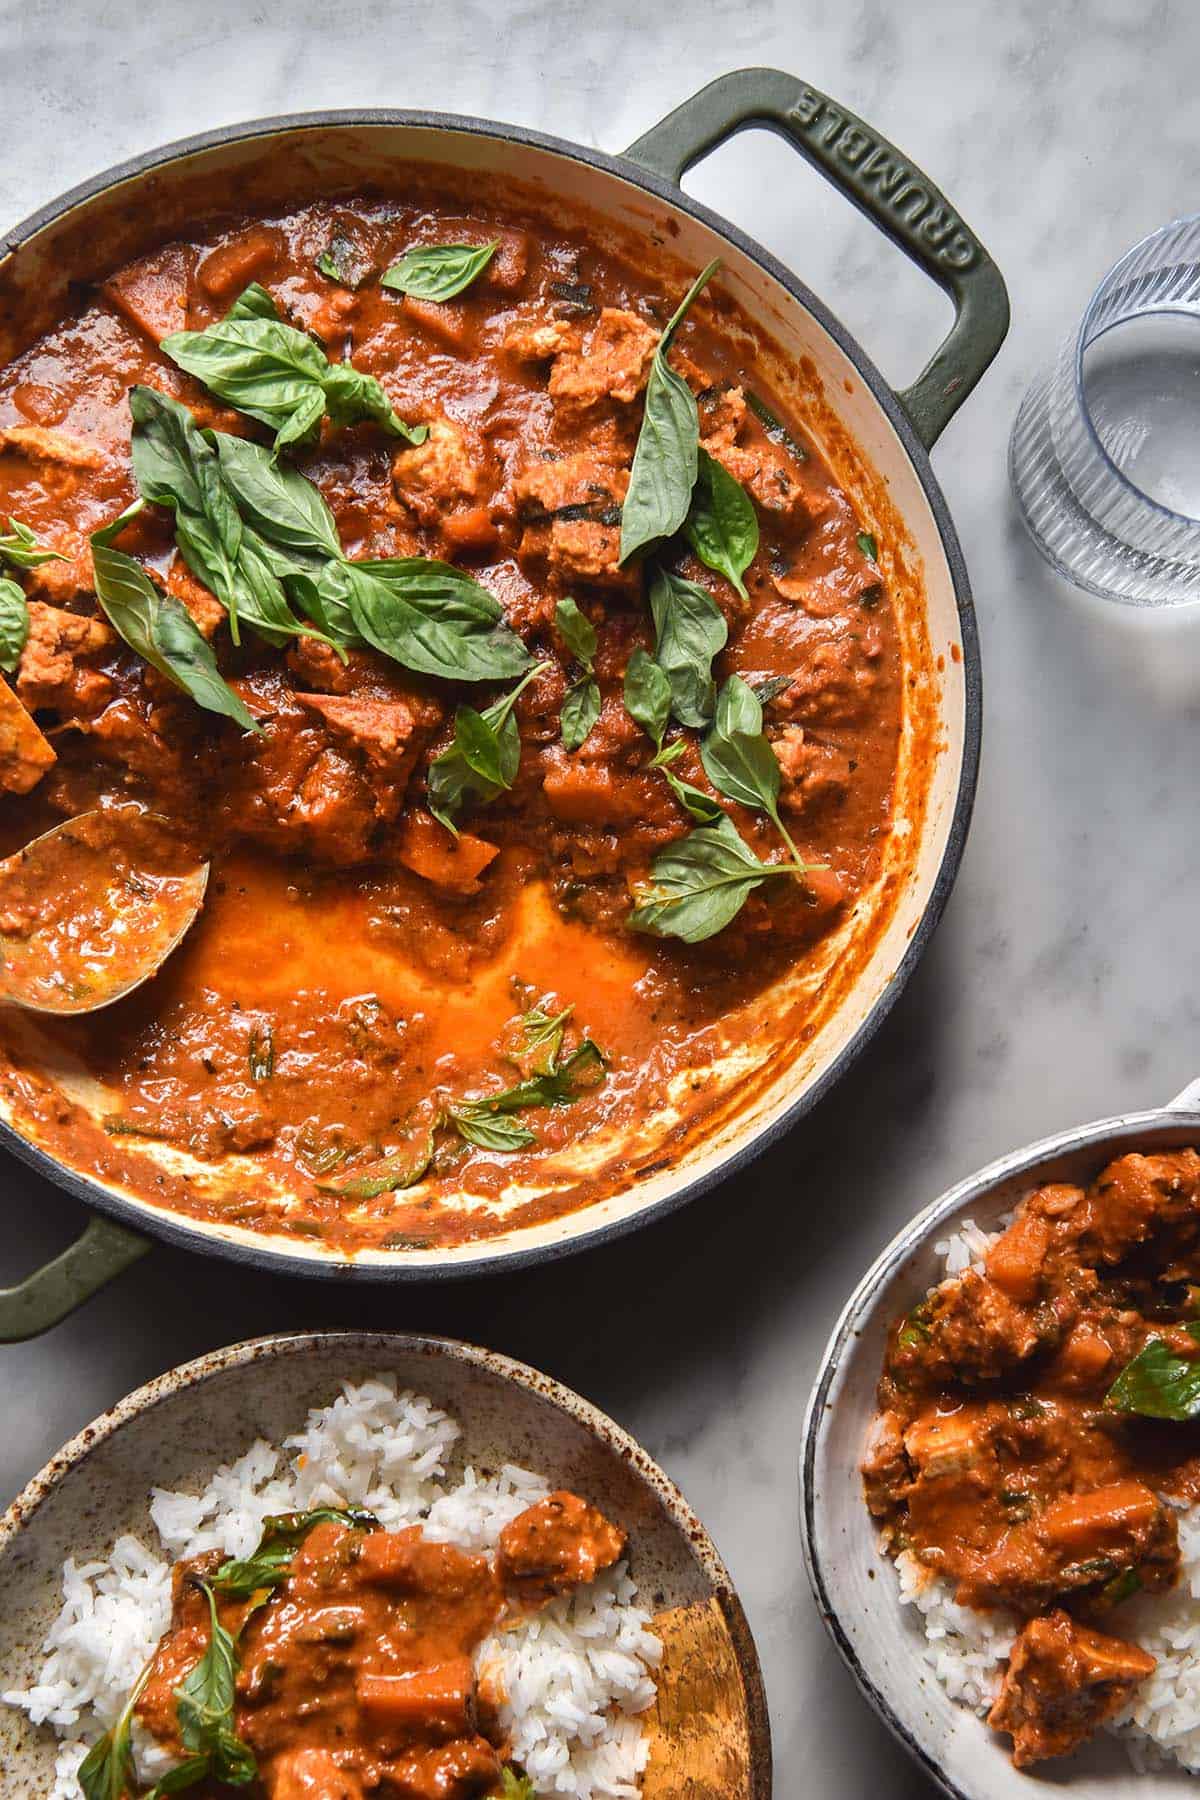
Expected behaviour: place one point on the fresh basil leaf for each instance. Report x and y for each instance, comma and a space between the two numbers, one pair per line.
106, 1772
722, 525
174, 467
14, 624
576, 631
343, 263
179, 467
482, 759
1158, 1383
183, 1775
737, 758
204, 1704
402, 1169
428, 616
289, 511
514, 1786
580, 711
267, 369
19, 546
699, 884
486, 1122
254, 302
647, 695
701, 806
691, 630
282, 1535
351, 397
540, 1039
161, 631
477, 1126
664, 462
439, 271
581, 707
866, 543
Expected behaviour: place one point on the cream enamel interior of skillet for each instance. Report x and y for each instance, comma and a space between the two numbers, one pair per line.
760, 1077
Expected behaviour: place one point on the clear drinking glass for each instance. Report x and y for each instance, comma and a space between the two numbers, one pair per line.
1105, 451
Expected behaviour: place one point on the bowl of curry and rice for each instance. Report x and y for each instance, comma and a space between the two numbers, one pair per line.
335, 1566
999, 1479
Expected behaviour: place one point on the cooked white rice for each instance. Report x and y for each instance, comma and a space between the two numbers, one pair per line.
574, 1678
967, 1650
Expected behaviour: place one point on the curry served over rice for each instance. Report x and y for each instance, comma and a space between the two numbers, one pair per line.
339, 1660
458, 589
1037, 1436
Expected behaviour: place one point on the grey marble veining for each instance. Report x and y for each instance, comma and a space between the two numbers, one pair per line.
1062, 984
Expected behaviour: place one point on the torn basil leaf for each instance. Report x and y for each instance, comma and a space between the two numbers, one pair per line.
581, 706
1159, 1383
699, 885
580, 711
690, 630
181, 468
665, 461
483, 758
439, 271
161, 631
106, 1772
648, 695
428, 616
267, 369
737, 758
204, 1705
278, 501
486, 1122
722, 525
577, 631
387, 1174
14, 624
866, 543
20, 548
282, 1535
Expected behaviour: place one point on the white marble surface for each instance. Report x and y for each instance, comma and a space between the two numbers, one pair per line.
1062, 984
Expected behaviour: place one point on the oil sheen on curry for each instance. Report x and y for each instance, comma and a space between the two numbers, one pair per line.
461, 593
1038, 1418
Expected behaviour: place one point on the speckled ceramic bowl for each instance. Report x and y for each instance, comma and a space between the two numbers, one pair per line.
710, 1739
853, 1582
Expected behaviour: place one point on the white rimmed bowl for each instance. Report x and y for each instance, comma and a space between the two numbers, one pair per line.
853, 1582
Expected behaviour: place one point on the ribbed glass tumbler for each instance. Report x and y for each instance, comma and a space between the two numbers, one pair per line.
1105, 451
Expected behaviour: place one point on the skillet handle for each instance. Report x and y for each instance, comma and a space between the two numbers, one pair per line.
881, 183
101, 1252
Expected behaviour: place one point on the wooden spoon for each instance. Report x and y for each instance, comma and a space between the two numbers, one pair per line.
93, 908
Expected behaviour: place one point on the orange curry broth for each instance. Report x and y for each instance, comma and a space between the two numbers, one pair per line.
384, 967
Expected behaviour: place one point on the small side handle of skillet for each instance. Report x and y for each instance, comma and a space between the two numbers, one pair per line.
102, 1251
886, 186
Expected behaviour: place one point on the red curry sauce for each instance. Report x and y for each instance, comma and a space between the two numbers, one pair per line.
354, 967
1006, 1458
355, 1675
